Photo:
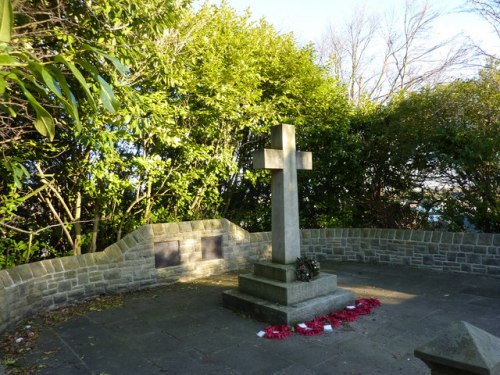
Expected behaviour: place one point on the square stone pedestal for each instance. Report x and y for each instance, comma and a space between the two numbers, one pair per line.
272, 294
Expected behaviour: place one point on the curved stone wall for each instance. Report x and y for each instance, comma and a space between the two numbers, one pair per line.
164, 253
434, 250
126, 265
29, 288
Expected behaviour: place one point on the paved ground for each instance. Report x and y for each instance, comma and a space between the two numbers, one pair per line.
183, 329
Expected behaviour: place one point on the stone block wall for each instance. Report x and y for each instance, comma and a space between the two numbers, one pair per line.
126, 265
434, 250
131, 263
240, 249
31, 288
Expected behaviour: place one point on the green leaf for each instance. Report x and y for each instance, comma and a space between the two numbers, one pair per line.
106, 92
19, 172
56, 88
24, 170
2, 85
12, 112
78, 75
107, 95
50, 81
6, 20
17, 182
71, 104
6, 59
63, 84
122, 69
44, 123
89, 68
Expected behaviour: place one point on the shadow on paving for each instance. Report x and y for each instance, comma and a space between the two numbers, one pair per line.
183, 329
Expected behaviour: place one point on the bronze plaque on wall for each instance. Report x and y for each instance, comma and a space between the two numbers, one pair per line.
211, 248
167, 254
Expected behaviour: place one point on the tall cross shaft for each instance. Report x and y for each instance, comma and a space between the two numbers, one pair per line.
283, 160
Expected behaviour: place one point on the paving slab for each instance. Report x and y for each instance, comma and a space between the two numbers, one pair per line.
183, 329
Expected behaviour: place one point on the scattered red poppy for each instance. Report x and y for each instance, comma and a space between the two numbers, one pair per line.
369, 301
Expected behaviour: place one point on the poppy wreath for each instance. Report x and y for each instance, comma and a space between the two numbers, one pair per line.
306, 269
328, 319
316, 327
367, 303
312, 328
277, 332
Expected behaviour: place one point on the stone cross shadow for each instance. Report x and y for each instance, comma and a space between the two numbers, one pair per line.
283, 160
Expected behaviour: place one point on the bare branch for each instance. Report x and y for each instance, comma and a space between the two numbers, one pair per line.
38, 231
58, 218
489, 10
376, 58
54, 190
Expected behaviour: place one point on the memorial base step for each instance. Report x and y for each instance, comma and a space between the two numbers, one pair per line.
277, 314
287, 293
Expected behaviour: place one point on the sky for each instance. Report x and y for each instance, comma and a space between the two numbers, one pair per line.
310, 19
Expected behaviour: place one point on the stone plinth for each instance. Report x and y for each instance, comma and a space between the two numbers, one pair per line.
287, 293
274, 313
272, 294
462, 349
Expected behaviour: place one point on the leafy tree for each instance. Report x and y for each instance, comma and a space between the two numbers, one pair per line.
201, 89
47, 78
149, 112
436, 149
57, 67
467, 148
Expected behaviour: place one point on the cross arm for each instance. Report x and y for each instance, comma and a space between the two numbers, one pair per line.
268, 159
273, 159
304, 160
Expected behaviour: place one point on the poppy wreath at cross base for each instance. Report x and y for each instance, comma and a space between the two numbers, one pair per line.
306, 269
316, 327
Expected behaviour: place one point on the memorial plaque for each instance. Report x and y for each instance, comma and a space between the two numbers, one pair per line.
211, 248
167, 254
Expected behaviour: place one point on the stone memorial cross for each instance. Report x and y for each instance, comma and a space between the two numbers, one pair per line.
283, 160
